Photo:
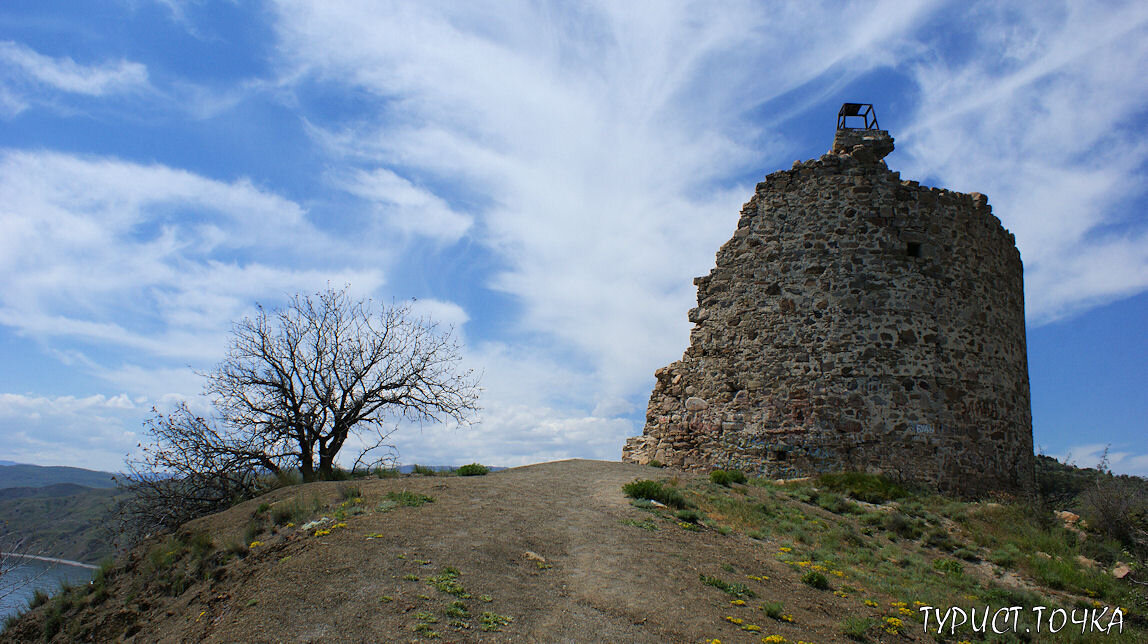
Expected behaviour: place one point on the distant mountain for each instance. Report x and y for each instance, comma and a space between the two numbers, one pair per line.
47, 491
20, 475
8, 463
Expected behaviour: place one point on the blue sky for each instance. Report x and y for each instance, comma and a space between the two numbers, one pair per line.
546, 177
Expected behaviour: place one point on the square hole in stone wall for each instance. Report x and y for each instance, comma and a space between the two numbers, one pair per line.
913, 249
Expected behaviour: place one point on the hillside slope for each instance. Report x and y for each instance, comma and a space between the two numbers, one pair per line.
63, 520
551, 552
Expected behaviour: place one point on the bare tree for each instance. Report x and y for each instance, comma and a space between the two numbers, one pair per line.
189, 469
296, 384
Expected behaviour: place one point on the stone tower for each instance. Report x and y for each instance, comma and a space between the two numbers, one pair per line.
854, 321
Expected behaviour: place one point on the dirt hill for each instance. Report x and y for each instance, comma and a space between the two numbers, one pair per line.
546, 553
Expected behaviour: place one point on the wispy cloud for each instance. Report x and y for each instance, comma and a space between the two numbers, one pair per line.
405, 206
1042, 110
149, 258
586, 160
29, 73
600, 139
67, 75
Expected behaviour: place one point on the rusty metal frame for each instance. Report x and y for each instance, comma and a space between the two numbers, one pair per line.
862, 110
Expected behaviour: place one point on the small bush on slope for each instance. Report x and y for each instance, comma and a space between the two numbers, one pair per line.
653, 490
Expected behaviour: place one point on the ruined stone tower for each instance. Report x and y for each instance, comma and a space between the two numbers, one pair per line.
854, 321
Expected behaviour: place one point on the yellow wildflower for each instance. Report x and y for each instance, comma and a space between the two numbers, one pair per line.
870, 602
773, 639
255, 544
898, 604
786, 549
917, 604
339, 525
787, 618
738, 602
734, 620
837, 573
904, 611
322, 533
753, 628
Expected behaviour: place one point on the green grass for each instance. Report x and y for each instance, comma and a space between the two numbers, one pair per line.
871, 488
773, 609
404, 498
493, 622
350, 491
857, 628
294, 511
815, 579
689, 516
727, 477
457, 609
656, 491
948, 566
473, 469
645, 524
39, 598
891, 553
732, 589
447, 582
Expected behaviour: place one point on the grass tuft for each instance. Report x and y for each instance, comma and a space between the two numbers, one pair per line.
871, 488
474, 469
655, 491
735, 590
815, 579
726, 477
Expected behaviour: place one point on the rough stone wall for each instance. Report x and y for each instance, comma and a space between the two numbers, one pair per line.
854, 321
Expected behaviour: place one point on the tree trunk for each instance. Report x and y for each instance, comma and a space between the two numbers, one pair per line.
306, 464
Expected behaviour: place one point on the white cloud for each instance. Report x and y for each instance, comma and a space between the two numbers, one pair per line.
407, 207
66, 75
514, 435
1044, 115
150, 258
600, 137
96, 431
1120, 461
588, 151
445, 314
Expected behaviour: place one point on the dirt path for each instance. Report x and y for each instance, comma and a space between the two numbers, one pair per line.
551, 546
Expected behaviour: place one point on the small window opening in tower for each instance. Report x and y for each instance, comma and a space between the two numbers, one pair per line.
779, 455
913, 249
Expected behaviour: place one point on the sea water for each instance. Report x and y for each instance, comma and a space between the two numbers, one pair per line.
19, 584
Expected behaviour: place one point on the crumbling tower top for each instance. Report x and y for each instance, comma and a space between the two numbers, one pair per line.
866, 143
